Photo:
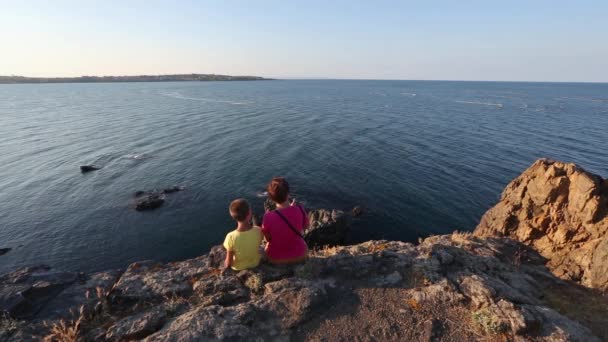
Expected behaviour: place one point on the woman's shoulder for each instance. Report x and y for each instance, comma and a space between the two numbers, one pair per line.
268, 214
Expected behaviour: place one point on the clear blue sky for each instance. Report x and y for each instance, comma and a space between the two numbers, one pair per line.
531, 40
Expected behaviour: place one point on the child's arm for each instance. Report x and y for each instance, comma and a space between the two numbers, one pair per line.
229, 247
229, 258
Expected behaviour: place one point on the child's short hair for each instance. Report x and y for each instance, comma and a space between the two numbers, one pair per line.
278, 189
239, 209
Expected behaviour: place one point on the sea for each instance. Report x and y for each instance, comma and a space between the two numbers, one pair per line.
422, 158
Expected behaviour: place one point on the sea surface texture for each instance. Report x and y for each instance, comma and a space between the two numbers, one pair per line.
422, 157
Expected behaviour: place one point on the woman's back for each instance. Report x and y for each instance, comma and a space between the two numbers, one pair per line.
285, 244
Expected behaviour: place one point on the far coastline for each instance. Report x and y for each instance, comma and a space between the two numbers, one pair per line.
138, 78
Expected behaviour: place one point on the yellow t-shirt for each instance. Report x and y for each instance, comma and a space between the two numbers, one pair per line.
246, 247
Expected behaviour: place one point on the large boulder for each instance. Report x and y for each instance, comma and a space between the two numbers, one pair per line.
560, 210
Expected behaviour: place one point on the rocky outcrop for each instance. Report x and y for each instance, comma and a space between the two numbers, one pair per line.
450, 287
560, 210
460, 287
326, 228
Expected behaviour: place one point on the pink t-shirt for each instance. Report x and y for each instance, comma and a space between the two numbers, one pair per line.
284, 243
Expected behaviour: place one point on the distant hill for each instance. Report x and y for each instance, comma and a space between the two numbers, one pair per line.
140, 78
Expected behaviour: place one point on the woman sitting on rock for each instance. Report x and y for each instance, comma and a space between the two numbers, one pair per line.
284, 227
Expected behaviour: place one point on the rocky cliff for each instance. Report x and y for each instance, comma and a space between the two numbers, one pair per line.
561, 211
457, 287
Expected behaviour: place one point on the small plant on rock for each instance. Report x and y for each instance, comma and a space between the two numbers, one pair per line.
174, 304
254, 282
309, 270
488, 322
66, 331
7, 324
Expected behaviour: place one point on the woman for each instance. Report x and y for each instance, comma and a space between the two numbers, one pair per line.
284, 227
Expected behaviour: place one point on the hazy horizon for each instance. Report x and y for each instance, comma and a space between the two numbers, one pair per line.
295, 78
518, 41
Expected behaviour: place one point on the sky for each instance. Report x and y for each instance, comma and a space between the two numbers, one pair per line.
531, 40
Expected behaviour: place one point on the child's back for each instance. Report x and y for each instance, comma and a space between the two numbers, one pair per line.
245, 245
242, 244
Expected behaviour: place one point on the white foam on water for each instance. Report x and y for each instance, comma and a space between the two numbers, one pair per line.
409, 94
138, 156
177, 95
499, 105
581, 98
261, 194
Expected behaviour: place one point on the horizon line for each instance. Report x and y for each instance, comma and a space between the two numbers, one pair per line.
306, 78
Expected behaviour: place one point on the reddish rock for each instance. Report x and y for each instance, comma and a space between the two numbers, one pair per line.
560, 210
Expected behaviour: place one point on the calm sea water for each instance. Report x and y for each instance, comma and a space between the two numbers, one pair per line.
422, 157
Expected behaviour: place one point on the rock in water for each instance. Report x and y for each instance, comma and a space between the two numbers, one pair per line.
326, 228
357, 211
269, 205
149, 202
4, 250
88, 168
173, 189
561, 211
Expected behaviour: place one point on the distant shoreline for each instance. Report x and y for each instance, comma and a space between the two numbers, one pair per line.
124, 79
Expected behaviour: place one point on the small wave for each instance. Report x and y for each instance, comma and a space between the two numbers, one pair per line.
138, 156
179, 96
409, 94
499, 105
500, 96
261, 194
581, 98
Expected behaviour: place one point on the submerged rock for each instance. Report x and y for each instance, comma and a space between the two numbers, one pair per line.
357, 211
561, 211
173, 189
149, 202
89, 168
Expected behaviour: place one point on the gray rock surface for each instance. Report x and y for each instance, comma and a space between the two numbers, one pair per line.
500, 293
137, 326
450, 287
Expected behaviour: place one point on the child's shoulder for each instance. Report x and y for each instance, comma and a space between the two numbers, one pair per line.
231, 234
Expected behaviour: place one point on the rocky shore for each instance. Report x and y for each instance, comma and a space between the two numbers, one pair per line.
532, 270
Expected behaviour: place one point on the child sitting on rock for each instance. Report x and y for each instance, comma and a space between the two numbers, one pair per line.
242, 244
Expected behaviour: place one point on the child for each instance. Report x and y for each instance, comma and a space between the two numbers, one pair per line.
242, 244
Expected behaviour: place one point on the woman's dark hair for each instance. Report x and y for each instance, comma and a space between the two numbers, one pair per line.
278, 189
